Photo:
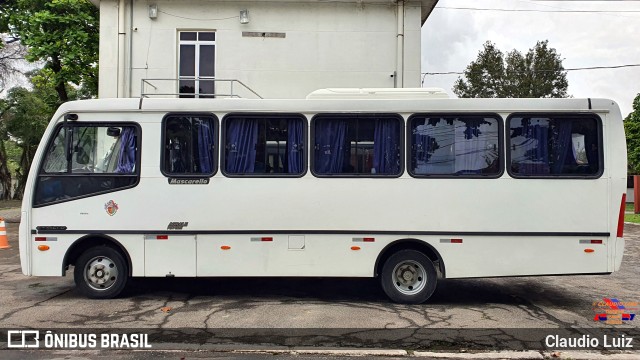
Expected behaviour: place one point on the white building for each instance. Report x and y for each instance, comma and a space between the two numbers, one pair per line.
280, 49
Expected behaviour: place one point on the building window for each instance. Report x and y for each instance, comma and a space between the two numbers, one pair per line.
197, 63
543, 145
357, 145
189, 145
454, 145
265, 145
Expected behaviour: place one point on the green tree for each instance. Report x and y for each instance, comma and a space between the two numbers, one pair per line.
537, 74
24, 119
632, 131
62, 34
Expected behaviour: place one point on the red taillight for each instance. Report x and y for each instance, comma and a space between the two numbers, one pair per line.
621, 216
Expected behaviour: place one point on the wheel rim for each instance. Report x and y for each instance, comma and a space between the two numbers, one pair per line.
409, 277
100, 273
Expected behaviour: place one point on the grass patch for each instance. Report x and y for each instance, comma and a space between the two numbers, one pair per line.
634, 218
628, 207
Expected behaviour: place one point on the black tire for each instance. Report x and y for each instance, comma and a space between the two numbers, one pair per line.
420, 281
101, 273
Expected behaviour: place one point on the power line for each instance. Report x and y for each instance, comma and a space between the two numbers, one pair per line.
538, 11
567, 69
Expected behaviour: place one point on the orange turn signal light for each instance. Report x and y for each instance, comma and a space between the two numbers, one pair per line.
43, 247
225, 247
355, 248
589, 250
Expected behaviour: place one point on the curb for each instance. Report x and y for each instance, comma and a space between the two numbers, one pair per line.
519, 355
348, 353
511, 355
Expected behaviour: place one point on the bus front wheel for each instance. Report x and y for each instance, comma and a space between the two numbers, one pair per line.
408, 277
101, 273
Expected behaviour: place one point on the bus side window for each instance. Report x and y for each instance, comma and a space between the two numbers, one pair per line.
262, 145
357, 145
552, 146
454, 145
189, 145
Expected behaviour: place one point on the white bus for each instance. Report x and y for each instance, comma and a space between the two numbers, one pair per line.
399, 185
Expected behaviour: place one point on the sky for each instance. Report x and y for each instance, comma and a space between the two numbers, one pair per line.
452, 38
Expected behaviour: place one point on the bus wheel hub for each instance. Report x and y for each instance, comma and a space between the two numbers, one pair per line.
101, 273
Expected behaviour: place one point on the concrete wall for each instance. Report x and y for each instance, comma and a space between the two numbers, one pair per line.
325, 44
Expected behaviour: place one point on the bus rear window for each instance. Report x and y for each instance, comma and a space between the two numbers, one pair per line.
552, 146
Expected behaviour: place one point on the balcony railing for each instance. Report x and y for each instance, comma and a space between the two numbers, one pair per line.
207, 88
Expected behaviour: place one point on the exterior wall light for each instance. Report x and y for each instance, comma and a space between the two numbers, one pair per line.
153, 11
244, 16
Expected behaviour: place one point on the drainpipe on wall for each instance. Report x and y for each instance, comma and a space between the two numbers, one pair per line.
130, 55
121, 48
400, 45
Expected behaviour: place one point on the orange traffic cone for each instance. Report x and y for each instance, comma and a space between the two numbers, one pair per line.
4, 242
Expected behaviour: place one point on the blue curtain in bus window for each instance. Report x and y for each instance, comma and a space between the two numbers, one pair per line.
563, 144
330, 135
205, 147
385, 147
242, 137
127, 159
536, 159
295, 144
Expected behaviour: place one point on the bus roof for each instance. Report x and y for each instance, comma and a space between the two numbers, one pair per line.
364, 105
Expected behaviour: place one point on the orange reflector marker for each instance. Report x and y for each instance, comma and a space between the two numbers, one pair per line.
589, 250
43, 247
162, 237
355, 248
225, 247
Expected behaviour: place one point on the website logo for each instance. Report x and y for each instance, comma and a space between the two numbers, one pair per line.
614, 312
21, 339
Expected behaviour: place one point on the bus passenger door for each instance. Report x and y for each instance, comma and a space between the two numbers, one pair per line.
170, 255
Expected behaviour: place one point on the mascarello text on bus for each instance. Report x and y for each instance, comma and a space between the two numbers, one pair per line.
403, 185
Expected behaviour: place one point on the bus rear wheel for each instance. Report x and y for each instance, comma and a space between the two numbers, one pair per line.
101, 273
408, 277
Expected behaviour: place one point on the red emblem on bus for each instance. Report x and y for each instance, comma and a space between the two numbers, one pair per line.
111, 207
